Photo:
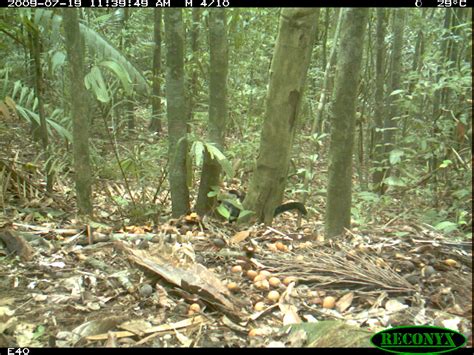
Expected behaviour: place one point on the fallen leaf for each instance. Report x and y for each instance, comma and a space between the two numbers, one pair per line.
344, 302
240, 236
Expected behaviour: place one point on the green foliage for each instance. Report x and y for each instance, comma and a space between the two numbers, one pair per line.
197, 152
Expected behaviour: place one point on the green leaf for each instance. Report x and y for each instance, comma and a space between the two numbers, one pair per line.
198, 151
38, 332
120, 73
63, 132
214, 152
227, 167
445, 164
394, 181
212, 194
396, 92
446, 226
245, 213
395, 156
58, 60
94, 81
223, 211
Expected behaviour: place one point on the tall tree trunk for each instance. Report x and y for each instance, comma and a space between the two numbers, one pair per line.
176, 111
79, 112
339, 195
218, 112
390, 120
43, 127
379, 109
193, 92
155, 123
129, 104
318, 118
287, 76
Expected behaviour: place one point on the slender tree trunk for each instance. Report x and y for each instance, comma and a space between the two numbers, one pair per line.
391, 119
196, 15
338, 207
176, 111
80, 121
43, 127
287, 76
317, 123
129, 105
379, 109
155, 123
218, 112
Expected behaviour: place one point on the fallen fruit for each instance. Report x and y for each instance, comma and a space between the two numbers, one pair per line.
273, 296
232, 286
259, 277
281, 247
251, 274
451, 262
329, 302
262, 285
194, 308
274, 281
289, 279
236, 269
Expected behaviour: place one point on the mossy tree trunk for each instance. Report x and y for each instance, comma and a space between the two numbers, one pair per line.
338, 206
218, 112
176, 111
155, 123
287, 76
79, 112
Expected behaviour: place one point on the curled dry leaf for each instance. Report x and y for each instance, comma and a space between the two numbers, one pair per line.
239, 237
394, 306
345, 302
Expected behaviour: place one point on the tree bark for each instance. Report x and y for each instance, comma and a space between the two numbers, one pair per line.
338, 207
287, 76
79, 112
379, 109
155, 123
176, 112
218, 112
391, 119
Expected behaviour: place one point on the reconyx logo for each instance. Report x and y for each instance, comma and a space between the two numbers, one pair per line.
418, 340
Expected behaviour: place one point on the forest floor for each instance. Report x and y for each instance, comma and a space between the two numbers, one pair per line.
195, 282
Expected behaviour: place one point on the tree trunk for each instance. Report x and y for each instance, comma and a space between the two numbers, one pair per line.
218, 112
155, 124
318, 118
338, 207
379, 109
193, 92
287, 76
176, 111
43, 128
80, 122
390, 120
